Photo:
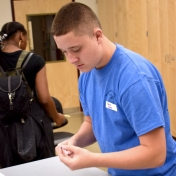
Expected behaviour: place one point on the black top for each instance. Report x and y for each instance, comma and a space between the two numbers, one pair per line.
34, 65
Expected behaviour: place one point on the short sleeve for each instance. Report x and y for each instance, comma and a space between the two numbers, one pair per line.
34, 65
143, 106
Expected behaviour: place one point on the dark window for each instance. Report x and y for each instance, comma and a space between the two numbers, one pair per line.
41, 40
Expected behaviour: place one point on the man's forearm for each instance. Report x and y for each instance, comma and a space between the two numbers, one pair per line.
84, 136
135, 158
151, 153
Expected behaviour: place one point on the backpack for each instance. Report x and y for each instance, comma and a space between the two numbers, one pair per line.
25, 129
29, 141
15, 93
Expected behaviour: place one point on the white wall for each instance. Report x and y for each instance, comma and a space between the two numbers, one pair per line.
90, 3
5, 12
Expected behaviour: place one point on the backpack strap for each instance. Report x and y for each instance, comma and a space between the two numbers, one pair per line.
21, 58
21, 67
2, 71
26, 61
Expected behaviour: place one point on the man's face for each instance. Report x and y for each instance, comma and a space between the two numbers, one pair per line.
82, 51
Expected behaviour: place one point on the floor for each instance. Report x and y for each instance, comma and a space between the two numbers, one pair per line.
75, 120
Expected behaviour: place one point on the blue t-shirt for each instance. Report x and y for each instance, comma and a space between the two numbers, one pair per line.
126, 99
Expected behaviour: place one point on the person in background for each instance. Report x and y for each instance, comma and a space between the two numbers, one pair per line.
13, 40
123, 98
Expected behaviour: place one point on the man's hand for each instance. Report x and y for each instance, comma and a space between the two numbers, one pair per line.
74, 157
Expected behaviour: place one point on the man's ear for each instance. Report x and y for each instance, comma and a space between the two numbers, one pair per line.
98, 34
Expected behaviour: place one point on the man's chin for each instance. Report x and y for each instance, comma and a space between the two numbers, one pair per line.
84, 70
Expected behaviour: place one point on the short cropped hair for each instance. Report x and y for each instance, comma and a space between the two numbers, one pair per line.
76, 17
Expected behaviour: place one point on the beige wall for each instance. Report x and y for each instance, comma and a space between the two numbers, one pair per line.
5, 12
62, 76
91, 3
148, 28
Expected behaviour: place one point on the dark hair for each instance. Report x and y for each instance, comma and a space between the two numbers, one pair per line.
75, 17
9, 29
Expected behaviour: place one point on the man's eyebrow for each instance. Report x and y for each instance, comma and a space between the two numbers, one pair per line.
70, 47
73, 47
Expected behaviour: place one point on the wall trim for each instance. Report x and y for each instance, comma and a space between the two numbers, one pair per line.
12, 10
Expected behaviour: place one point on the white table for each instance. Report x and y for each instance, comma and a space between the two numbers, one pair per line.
49, 167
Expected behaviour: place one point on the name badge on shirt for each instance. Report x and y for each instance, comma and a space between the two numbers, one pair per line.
111, 106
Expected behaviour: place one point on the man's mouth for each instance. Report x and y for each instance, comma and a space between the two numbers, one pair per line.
79, 66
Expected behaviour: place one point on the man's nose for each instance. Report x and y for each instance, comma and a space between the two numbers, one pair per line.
72, 58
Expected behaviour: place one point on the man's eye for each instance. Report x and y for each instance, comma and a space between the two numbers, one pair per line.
76, 50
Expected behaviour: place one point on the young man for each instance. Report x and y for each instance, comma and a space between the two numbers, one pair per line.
123, 99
